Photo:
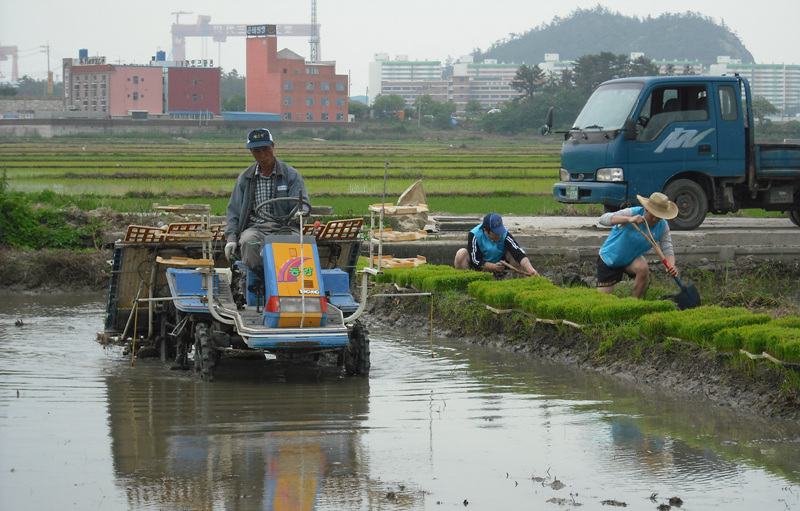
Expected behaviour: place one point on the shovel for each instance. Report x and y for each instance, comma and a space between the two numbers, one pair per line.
688, 298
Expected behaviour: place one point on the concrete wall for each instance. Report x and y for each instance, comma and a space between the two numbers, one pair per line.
48, 128
29, 106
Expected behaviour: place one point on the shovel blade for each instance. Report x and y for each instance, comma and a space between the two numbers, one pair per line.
688, 298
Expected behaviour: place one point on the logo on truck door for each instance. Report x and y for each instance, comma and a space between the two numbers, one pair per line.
682, 138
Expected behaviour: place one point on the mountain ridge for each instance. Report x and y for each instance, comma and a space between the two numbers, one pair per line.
689, 36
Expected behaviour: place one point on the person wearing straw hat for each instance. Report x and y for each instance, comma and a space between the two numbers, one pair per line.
623, 251
489, 246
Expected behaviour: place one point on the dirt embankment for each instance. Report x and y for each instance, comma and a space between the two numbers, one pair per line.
38, 271
725, 379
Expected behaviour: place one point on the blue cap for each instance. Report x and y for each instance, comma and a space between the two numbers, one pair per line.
494, 222
259, 138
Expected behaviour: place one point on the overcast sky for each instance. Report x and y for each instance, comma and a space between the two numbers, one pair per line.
352, 31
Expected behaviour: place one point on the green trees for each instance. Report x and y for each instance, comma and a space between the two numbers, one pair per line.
358, 110
762, 108
440, 113
232, 90
566, 92
384, 106
528, 80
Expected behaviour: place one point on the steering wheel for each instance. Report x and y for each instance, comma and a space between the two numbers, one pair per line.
282, 220
642, 120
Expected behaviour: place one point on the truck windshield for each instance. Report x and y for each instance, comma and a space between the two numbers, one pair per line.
609, 106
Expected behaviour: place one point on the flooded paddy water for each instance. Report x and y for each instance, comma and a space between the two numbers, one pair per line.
469, 427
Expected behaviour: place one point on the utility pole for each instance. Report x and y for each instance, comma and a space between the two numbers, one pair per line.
49, 85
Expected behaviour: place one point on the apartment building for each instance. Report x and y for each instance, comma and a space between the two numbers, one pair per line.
93, 86
778, 83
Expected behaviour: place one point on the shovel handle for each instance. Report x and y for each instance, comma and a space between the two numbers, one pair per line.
680, 283
663, 259
657, 249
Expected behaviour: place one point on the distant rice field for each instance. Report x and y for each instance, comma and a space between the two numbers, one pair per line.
510, 177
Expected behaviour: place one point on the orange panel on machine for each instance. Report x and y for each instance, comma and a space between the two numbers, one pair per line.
294, 275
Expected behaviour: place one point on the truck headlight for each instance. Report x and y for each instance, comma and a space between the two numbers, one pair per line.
563, 174
610, 174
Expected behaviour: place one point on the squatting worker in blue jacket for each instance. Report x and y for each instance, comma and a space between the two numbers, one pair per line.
267, 178
624, 249
489, 243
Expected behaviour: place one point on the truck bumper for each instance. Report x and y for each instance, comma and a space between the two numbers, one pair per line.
612, 194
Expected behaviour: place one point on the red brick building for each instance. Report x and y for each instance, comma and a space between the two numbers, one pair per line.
192, 90
283, 82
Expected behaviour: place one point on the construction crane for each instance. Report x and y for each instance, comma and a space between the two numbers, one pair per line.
220, 33
314, 55
178, 16
10, 51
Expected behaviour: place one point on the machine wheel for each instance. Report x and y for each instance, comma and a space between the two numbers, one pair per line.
692, 204
177, 346
356, 355
205, 356
794, 216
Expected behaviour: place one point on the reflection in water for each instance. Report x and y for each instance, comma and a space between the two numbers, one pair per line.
271, 439
496, 430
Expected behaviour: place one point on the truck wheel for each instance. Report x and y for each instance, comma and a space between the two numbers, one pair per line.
794, 216
692, 204
205, 356
356, 355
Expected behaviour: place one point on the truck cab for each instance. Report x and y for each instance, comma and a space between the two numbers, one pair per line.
685, 136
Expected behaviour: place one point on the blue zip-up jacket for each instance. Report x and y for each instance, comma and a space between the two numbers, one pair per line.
482, 249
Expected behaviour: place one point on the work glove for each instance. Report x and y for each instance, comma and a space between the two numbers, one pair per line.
230, 247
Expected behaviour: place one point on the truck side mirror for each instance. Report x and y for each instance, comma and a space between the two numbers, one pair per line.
548, 124
630, 129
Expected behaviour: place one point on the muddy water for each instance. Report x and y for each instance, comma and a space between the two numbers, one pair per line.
82, 429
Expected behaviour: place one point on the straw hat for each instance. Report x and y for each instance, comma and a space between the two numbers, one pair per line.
659, 205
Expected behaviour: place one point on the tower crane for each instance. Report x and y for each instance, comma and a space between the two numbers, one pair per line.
5, 52
220, 33
178, 16
314, 55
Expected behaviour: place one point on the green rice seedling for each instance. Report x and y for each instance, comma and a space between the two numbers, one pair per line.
728, 339
784, 344
528, 301
668, 323
629, 308
582, 301
755, 338
430, 277
788, 321
517, 284
502, 294
412, 276
477, 288
609, 335
702, 329
554, 304
455, 280
500, 297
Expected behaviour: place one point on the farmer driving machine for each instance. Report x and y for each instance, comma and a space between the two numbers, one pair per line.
174, 294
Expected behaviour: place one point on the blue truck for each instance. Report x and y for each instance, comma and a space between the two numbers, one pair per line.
690, 137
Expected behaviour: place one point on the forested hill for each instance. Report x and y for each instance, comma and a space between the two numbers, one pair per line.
681, 37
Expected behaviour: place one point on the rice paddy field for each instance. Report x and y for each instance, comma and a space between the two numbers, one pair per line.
458, 176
